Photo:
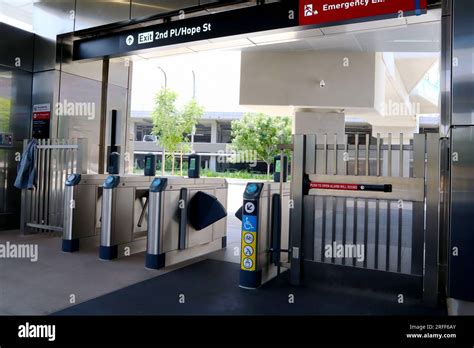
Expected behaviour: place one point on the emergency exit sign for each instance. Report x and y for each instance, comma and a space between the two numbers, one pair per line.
328, 11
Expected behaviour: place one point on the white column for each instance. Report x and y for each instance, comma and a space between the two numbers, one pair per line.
320, 123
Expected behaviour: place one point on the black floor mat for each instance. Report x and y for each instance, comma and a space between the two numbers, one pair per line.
211, 288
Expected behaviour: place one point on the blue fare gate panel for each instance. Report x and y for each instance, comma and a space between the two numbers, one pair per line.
250, 275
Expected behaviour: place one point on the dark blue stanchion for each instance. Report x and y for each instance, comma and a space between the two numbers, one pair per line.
250, 274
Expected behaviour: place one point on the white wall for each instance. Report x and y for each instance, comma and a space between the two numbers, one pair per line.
293, 78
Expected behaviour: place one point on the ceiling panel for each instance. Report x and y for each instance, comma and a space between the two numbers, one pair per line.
425, 37
432, 15
215, 45
163, 53
285, 36
364, 26
346, 42
18, 13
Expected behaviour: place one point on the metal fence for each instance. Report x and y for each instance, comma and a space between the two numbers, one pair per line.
390, 230
42, 207
342, 208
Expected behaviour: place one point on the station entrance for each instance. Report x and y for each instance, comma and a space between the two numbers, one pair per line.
363, 206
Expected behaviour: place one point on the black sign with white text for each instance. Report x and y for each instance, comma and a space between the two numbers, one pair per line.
229, 23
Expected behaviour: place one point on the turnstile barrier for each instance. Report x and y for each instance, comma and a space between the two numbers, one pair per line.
178, 229
82, 215
128, 214
264, 236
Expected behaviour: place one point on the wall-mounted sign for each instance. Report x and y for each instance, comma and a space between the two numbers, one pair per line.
228, 23
290, 13
330, 11
41, 120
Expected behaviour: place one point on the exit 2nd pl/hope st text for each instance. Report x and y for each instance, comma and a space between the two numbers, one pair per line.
183, 31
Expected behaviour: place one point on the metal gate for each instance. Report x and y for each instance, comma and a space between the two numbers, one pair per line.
42, 208
360, 217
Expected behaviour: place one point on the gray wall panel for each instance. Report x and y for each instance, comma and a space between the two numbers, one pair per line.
118, 72
46, 91
50, 18
462, 208
461, 267
463, 67
15, 111
16, 43
79, 90
15, 114
89, 69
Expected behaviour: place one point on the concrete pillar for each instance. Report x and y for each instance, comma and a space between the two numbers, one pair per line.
213, 132
320, 123
213, 163
213, 160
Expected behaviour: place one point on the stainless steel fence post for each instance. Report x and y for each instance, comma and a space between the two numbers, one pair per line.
107, 250
296, 218
431, 274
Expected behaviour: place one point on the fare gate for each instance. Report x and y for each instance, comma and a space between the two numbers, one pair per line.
361, 210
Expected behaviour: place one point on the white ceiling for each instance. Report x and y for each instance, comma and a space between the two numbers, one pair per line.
421, 34
18, 13
411, 34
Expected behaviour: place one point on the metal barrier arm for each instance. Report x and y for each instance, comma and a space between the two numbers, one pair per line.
183, 218
276, 230
142, 215
390, 188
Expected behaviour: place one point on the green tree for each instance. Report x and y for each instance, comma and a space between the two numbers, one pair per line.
5, 112
262, 134
172, 125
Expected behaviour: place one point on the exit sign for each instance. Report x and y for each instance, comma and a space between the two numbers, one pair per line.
329, 11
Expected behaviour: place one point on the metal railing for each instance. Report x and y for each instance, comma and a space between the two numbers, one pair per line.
42, 207
392, 227
388, 226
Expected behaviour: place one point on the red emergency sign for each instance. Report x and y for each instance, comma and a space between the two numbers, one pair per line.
41, 116
327, 11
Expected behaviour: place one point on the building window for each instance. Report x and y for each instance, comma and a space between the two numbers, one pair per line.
224, 133
203, 134
141, 130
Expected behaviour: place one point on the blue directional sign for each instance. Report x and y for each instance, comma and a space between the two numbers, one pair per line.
249, 223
